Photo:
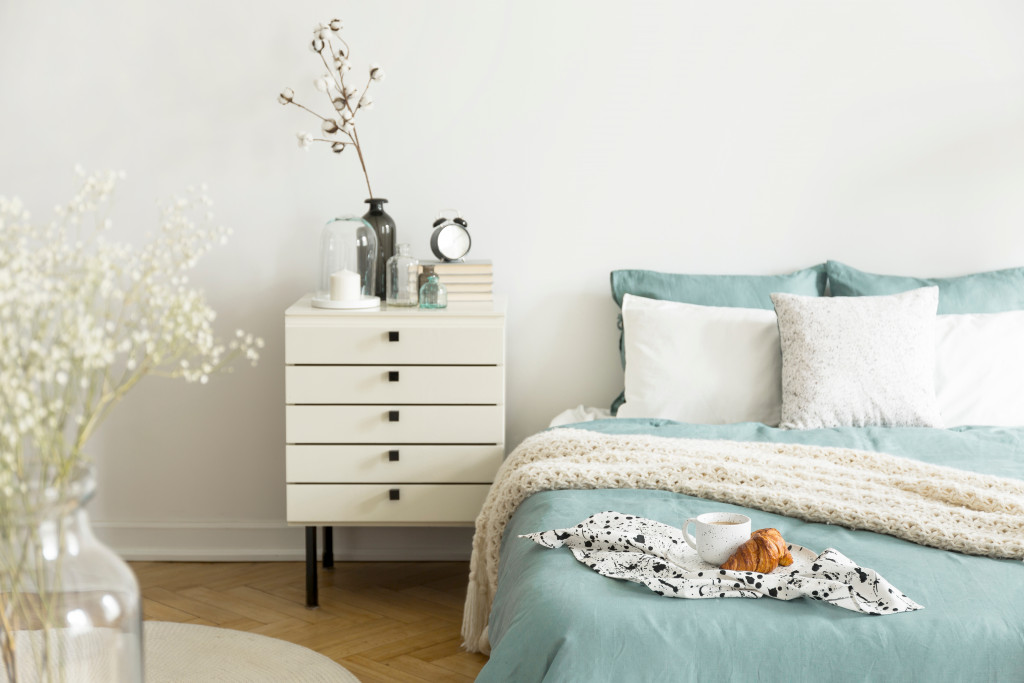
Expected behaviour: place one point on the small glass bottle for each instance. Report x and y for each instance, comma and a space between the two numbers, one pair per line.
402, 281
426, 270
433, 294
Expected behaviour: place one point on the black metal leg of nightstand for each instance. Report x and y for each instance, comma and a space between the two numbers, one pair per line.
328, 547
311, 596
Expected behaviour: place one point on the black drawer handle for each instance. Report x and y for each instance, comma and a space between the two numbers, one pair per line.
392, 416
392, 375
393, 336
392, 456
393, 494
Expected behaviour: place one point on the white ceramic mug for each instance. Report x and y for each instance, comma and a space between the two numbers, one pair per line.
719, 534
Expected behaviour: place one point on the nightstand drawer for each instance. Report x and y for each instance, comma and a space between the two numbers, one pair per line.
373, 503
314, 464
399, 342
393, 384
394, 424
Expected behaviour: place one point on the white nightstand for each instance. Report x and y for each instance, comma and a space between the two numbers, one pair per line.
393, 417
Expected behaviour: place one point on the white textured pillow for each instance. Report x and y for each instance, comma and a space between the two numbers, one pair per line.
858, 361
979, 369
701, 364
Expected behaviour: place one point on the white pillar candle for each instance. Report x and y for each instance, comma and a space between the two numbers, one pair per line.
345, 286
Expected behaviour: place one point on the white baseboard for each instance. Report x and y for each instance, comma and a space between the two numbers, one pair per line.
262, 541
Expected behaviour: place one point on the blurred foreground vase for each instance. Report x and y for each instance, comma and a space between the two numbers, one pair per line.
71, 606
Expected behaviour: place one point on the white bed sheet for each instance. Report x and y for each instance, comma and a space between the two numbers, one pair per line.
580, 413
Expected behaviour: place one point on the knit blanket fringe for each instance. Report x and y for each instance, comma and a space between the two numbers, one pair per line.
932, 505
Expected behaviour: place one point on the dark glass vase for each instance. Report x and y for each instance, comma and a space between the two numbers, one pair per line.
384, 226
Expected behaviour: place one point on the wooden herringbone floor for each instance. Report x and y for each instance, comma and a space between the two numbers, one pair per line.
383, 621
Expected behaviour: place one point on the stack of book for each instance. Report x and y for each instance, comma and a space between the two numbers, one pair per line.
464, 280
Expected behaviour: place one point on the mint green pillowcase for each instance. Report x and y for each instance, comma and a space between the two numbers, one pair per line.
732, 291
994, 291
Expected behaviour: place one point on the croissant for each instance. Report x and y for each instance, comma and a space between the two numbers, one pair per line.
762, 553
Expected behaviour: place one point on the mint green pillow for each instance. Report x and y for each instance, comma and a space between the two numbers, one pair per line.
731, 291
994, 291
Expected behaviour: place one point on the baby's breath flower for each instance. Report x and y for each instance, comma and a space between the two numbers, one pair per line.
337, 147
376, 73
316, 45
82, 316
366, 101
321, 84
305, 139
329, 126
286, 96
336, 25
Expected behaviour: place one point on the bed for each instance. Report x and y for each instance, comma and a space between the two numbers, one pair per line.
551, 618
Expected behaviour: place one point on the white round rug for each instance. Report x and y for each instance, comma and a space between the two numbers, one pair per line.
187, 653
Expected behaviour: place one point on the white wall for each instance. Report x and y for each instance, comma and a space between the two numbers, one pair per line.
577, 137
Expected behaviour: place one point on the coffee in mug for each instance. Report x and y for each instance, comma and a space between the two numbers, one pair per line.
718, 535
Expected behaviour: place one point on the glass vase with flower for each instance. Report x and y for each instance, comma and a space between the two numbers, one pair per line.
83, 319
338, 126
72, 610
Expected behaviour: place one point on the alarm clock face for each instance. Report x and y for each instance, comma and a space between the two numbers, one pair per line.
453, 242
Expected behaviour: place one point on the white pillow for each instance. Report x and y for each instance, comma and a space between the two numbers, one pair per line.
979, 369
700, 364
858, 361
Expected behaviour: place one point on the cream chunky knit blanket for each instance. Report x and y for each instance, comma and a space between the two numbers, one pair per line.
928, 504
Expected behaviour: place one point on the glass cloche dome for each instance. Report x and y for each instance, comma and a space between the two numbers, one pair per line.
348, 265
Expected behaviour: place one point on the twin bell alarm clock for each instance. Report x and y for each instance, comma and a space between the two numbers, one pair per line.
450, 240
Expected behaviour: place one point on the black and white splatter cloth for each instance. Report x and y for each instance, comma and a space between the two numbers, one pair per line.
643, 551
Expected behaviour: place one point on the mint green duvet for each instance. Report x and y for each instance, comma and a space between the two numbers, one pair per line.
553, 619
